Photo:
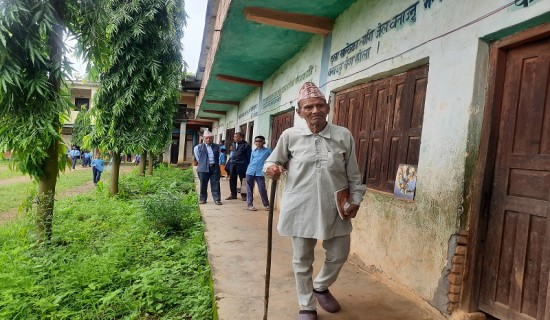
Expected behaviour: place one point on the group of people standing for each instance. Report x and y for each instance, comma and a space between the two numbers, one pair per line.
243, 163
97, 164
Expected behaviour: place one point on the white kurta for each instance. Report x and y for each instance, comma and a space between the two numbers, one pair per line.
318, 165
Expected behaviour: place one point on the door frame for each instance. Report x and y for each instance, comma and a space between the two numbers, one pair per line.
481, 184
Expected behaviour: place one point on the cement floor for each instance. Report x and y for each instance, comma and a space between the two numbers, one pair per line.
237, 250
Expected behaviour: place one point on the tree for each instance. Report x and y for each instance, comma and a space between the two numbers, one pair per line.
82, 127
139, 86
32, 102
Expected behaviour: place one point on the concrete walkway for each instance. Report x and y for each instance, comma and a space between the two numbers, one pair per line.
237, 249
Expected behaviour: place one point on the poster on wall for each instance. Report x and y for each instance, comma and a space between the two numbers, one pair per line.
405, 182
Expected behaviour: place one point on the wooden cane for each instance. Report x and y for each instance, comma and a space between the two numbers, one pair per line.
269, 244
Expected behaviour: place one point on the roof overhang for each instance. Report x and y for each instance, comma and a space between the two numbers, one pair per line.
255, 39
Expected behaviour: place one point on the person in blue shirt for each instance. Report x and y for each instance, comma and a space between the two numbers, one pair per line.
254, 173
86, 159
97, 168
223, 160
75, 155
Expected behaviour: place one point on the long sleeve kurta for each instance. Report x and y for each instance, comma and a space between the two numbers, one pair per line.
318, 165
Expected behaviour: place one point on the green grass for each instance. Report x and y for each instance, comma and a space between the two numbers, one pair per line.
6, 172
109, 260
12, 195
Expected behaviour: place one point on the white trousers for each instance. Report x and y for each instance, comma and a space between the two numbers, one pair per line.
336, 254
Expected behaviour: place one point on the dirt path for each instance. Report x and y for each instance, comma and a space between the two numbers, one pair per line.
83, 188
15, 180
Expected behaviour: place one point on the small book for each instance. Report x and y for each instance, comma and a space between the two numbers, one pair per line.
342, 201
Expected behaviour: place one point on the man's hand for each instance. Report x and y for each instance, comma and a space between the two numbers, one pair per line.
351, 212
274, 171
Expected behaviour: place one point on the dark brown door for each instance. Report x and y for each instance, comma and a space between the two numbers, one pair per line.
280, 123
242, 129
250, 133
229, 133
514, 283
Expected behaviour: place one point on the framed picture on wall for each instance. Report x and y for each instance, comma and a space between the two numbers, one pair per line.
405, 182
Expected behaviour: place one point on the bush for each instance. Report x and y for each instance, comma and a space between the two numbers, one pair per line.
170, 212
164, 178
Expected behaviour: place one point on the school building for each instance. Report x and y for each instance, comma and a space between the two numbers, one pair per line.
457, 90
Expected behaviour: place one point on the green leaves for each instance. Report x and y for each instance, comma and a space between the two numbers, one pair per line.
139, 88
30, 102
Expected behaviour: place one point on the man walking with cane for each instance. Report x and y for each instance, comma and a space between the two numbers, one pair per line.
321, 160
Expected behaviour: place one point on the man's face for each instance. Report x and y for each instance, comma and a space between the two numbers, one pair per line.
208, 139
314, 111
259, 143
237, 138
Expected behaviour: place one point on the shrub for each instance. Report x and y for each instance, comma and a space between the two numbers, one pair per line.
170, 212
164, 178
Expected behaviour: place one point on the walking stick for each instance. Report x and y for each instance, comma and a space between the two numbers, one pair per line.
269, 244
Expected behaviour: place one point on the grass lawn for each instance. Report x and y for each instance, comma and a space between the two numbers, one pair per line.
12, 195
6, 172
139, 255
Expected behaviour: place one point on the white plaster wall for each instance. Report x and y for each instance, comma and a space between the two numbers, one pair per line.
408, 242
248, 109
231, 120
306, 65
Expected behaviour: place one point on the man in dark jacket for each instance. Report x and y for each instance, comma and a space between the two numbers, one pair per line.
239, 163
207, 155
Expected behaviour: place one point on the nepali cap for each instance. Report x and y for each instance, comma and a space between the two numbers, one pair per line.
310, 90
207, 133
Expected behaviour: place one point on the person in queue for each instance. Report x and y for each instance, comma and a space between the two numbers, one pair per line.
239, 163
207, 155
321, 160
255, 175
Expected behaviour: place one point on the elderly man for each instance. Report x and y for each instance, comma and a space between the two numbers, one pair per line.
321, 160
207, 155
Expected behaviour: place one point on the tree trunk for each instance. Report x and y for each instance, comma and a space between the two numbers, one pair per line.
46, 194
151, 160
115, 172
46, 183
142, 163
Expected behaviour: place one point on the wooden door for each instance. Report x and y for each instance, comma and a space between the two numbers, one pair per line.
229, 133
280, 123
242, 129
514, 282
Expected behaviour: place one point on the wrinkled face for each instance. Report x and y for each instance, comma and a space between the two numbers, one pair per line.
314, 111
237, 138
208, 139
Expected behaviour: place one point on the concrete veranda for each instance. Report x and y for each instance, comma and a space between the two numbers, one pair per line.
237, 249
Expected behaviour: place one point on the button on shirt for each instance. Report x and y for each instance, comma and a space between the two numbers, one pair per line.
257, 160
318, 165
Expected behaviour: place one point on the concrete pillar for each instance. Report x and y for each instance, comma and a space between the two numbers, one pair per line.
166, 154
183, 136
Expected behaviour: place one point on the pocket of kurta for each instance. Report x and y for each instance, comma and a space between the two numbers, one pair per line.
336, 161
